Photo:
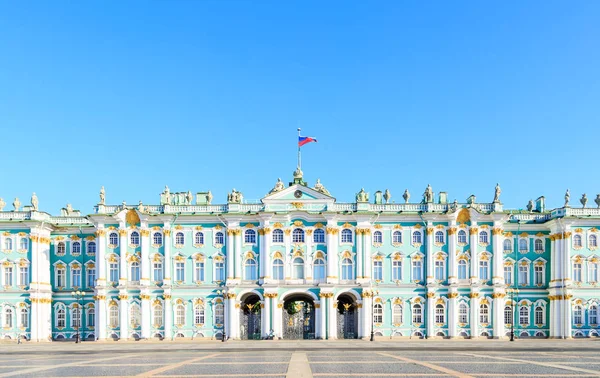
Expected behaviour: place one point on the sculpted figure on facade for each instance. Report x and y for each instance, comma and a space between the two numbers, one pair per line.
362, 196
102, 196
472, 199
209, 198
406, 196
530, 206
2, 204
387, 196
497, 194
597, 200
189, 197
141, 208
320, 188
567, 198
278, 186
34, 202
69, 209
583, 200
16, 204
428, 194
165, 196
235, 197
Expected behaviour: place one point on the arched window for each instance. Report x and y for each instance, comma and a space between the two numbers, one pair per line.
439, 237
319, 270
524, 315
507, 245
577, 240
250, 237
250, 272
198, 314
347, 269
135, 316
8, 317
578, 315
538, 246
199, 238
397, 314
396, 270
346, 236
157, 238
298, 268
417, 314
8, 244
397, 237
135, 272
440, 314
219, 239
463, 313
113, 317
298, 236
278, 269
378, 313
179, 238
377, 237
180, 315
508, 315
91, 248
523, 245
463, 269
593, 314
484, 314
539, 315
60, 249
416, 238
157, 315
483, 237
134, 238
462, 237
277, 236
593, 241
319, 236
219, 315
113, 238
24, 318
76, 248
24, 244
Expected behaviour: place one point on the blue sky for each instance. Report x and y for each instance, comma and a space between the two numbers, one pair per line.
204, 95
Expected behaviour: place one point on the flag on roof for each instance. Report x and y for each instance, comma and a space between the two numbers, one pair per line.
305, 140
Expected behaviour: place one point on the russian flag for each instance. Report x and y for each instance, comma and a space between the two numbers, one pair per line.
305, 140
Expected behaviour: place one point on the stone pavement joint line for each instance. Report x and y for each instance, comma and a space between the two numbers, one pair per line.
594, 373
429, 365
299, 366
175, 365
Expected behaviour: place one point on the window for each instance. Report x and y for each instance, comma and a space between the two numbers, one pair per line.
113, 317
416, 238
76, 248
198, 314
378, 313
577, 241
277, 236
417, 314
179, 271
91, 248
278, 269
8, 317
377, 237
319, 270
484, 270
538, 276
378, 270
298, 236
219, 271
199, 238
397, 237
134, 238
23, 275
593, 241
484, 314
113, 239
135, 317
523, 245
179, 238
347, 269
593, 272
91, 277
440, 271
113, 272
76, 318
463, 313
539, 315
523, 274
396, 270
319, 236
508, 315
91, 317
577, 272
61, 249
462, 269
483, 237
298, 266
346, 236
219, 315
593, 313
199, 271
76, 275
462, 237
397, 314
24, 244
60, 277
507, 246
508, 274
157, 238
524, 315
417, 269
219, 239
24, 323
250, 237
180, 315
250, 270
578, 315
61, 318
8, 244
157, 315
157, 271
134, 274
439, 237
440, 314
538, 246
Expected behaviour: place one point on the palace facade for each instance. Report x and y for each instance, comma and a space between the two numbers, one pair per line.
299, 265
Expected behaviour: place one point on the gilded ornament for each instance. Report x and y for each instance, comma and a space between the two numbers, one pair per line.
452, 231
430, 295
473, 230
463, 216
297, 205
474, 295
452, 295
429, 230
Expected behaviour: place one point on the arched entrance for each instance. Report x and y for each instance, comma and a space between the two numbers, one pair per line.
250, 314
298, 318
347, 317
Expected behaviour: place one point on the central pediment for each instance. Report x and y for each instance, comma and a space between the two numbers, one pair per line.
301, 196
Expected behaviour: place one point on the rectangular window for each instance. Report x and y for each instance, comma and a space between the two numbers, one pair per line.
91, 318
577, 272
60, 278
508, 275
377, 270
91, 277
219, 271
523, 275
396, 270
463, 314
538, 276
416, 270
594, 272
113, 272
179, 272
199, 271
23, 276
76, 278
157, 271
483, 270
439, 270
462, 270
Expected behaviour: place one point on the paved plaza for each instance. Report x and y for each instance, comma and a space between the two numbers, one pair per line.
444, 358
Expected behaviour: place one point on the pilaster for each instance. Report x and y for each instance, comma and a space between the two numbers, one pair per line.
168, 262
430, 314
429, 249
452, 313
452, 266
168, 316
145, 266
474, 307
498, 253
124, 316
498, 312
122, 256
474, 242
146, 314
332, 252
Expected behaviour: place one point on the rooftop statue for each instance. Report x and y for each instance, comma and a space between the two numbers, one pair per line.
583, 200
497, 193
141, 207
235, 197
69, 209
387, 196
472, 199
362, 196
278, 187
406, 196
34, 202
454, 205
597, 200
165, 196
123, 204
320, 188
189, 198
209, 197
2, 204
102, 196
428, 194
530, 206
567, 198
16, 204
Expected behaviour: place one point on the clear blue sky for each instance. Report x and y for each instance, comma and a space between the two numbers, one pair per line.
204, 95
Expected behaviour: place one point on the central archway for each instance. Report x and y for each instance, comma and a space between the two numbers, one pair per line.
298, 317
347, 317
250, 317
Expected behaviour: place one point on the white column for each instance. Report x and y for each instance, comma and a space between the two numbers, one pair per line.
367, 309
498, 313
262, 257
101, 258
146, 315
145, 267
322, 316
34, 288
332, 317
101, 312
452, 266
168, 261
498, 259
229, 252
359, 320
567, 307
430, 314
237, 263
308, 278
277, 318
168, 317
287, 262
474, 235
474, 314
232, 317
359, 255
332, 253
266, 318
368, 261
429, 249
123, 257
318, 320
452, 314
268, 271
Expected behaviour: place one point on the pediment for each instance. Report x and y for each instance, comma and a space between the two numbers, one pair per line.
297, 193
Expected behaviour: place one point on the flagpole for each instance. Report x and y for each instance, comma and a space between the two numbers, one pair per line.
299, 156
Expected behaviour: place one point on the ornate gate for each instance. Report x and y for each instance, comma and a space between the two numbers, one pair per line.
250, 322
298, 320
346, 321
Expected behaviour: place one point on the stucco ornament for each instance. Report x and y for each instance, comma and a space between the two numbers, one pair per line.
497, 193
530, 206
387, 196
102, 196
428, 194
34, 202
567, 198
406, 196
320, 188
235, 196
209, 197
583, 200
362, 196
597, 200
16, 204
278, 186
2, 204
